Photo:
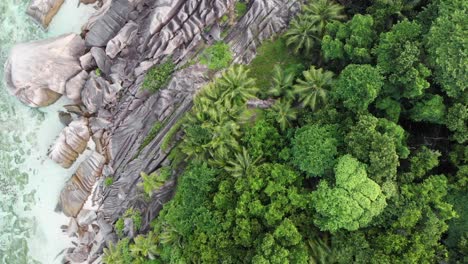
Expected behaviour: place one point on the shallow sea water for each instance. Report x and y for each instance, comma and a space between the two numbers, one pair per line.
30, 183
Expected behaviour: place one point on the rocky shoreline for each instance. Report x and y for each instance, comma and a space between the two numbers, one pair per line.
102, 72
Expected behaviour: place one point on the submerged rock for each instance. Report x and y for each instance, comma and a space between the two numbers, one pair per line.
43, 11
37, 72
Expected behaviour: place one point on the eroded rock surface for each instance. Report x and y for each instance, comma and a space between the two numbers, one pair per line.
71, 142
37, 72
79, 187
43, 11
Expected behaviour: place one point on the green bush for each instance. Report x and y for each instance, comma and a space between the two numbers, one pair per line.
158, 76
134, 214
241, 9
108, 181
217, 57
154, 181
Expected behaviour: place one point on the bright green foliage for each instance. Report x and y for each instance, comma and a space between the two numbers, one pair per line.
282, 84
262, 209
411, 233
119, 227
322, 12
158, 76
423, 161
151, 134
358, 86
241, 165
284, 113
314, 88
351, 41
235, 86
352, 202
447, 45
108, 181
217, 57
391, 108
145, 247
399, 55
154, 181
457, 122
431, 110
386, 11
134, 214
270, 53
379, 143
315, 148
241, 8
262, 139
302, 35
119, 253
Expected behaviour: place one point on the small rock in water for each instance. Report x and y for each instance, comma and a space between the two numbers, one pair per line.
65, 118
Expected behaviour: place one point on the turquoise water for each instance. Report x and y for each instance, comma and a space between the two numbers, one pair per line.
29, 182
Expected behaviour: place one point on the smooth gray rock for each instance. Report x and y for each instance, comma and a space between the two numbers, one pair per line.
125, 36
75, 85
87, 62
102, 61
108, 23
86, 217
73, 227
37, 72
65, 118
42, 11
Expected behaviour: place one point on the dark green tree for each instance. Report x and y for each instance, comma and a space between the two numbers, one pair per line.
399, 57
314, 149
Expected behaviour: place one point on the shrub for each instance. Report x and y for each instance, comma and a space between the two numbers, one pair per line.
241, 9
108, 181
217, 57
134, 214
155, 180
158, 76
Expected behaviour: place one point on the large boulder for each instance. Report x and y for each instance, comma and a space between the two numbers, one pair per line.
37, 72
71, 142
79, 187
43, 11
107, 22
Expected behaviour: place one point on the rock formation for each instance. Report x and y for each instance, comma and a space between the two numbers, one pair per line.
71, 142
37, 72
43, 11
124, 39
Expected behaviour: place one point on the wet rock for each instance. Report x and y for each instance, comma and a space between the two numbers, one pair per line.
125, 36
72, 227
71, 142
79, 254
42, 11
109, 22
86, 217
79, 187
37, 72
75, 109
65, 118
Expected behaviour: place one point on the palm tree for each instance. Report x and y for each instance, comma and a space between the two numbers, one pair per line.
145, 246
236, 87
322, 12
282, 84
302, 35
314, 87
284, 113
241, 165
